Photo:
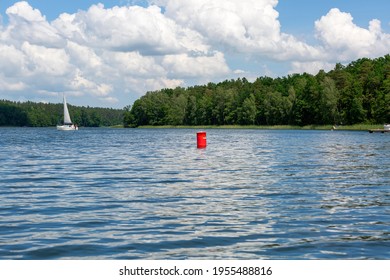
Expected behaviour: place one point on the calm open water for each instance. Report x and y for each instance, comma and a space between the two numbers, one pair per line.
150, 194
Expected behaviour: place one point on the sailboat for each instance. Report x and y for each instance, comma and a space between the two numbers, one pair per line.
68, 125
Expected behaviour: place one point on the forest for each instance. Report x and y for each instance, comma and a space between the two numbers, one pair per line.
353, 94
47, 114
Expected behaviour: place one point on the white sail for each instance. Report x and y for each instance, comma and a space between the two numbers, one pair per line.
67, 119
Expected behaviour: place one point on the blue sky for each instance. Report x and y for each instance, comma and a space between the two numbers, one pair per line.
109, 55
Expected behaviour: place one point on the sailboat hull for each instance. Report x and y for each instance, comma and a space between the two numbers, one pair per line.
67, 127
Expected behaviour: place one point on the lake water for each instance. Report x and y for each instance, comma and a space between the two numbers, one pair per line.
150, 194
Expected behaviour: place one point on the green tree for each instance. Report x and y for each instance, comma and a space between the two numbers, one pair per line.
248, 110
329, 100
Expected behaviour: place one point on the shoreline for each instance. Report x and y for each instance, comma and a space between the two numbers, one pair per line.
356, 127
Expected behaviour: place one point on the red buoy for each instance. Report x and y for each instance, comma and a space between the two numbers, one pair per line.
201, 139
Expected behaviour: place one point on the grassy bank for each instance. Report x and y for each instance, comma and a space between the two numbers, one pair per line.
358, 127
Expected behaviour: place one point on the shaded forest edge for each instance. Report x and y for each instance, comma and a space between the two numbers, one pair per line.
46, 114
347, 95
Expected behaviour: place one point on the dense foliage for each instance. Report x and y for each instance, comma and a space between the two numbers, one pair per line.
43, 114
356, 93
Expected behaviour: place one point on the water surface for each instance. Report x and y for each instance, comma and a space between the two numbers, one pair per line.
150, 194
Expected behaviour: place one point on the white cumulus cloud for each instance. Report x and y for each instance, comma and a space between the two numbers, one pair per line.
28, 25
344, 40
128, 29
246, 26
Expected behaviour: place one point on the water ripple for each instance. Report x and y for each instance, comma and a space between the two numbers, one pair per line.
150, 194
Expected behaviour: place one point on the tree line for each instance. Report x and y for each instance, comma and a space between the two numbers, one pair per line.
356, 93
48, 114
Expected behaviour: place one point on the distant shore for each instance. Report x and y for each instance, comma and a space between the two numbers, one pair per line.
355, 127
